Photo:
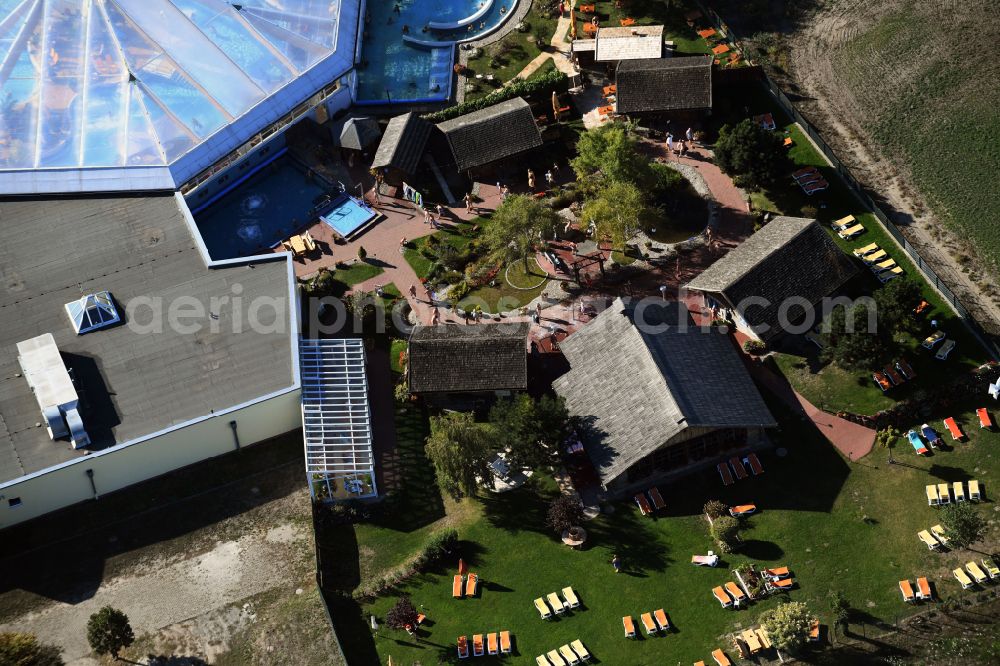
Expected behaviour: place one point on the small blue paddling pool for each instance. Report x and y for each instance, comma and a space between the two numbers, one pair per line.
347, 216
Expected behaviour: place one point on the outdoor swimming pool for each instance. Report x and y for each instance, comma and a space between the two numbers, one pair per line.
347, 216
417, 66
261, 211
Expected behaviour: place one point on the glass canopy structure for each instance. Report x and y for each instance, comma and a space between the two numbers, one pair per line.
143, 84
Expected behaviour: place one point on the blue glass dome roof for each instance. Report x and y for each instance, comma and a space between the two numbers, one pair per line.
138, 83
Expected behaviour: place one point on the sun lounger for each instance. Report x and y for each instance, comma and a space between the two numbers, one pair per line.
890, 274
991, 568
709, 560
932, 495
783, 583
734, 590
661, 619
648, 623
629, 626
788, 142
706, 33
851, 232
737, 465
921, 307
984, 418
923, 589
944, 493
974, 490
917, 443
776, 572
457, 587
727, 477
819, 186
906, 590
938, 532
543, 608
891, 373
933, 339
720, 658
722, 597
906, 369
962, 578
471, 585
554, 601
942, 353
952, 426
866, 250
766, 121
555, 658
928, 539
570, 596
814, 631
540, 660
463, 647
755, 465
958, 491
491, 643
477, 645
843, 223
742, 510
882, 381
568, 654
657, 498
580, 650
643, 503
875, 257
930, 434
883, 265
805, 171
610, 90
976, 573
505, 642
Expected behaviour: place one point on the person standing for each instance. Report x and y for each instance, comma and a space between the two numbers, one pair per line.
616, 562
440, 210
468, 202
531, 179
427, 216
549, 179
413, 291
689, 134
670, 145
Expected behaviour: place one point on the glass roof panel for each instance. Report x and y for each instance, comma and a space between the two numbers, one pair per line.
106, 97
141, 145
19, 98
174, 138
62, 87
12, 20
302, 53
315, 21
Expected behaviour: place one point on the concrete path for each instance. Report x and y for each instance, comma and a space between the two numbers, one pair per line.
559, 54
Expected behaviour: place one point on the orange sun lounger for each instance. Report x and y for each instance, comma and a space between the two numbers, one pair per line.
463, 647
471, 583
722, 597
814, 630
734, 589
456, 587
610, 90
720, 658
742, 510
952, 426
654, 494
783, 583
648, 623
626, 22
777, 572
727, 477
906, 590
984, 418
661, 619
706, 33
923, 588
643, 503
720, 49
755, 465
491, 643
606, 110
629, 626
477, 645
505, 642
737, 465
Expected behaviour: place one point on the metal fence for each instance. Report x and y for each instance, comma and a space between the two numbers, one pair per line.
852, 183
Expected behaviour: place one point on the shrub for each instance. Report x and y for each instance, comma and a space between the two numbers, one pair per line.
754, 347
109, 631
403, 614
809, 211
554, 80
401, 392
459, 291
362, 253
726, 532
564, 512
787, 625
23, 649
715, 509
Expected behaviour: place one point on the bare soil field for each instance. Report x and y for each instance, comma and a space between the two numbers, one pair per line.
908, 95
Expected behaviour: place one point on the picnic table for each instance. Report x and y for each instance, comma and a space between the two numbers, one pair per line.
298, 244
753, 643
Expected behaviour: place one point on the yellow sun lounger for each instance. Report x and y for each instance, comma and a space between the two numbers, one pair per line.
932, 495
928, 540
554, 658
974, 490
844, 223
962, 578
959, 491
992, 570
976, 573
938, 532
885, 276
867, 249
850, 233
543, 608
944, 493
568, 654
581, 651
885, 265
554, 601
875, 257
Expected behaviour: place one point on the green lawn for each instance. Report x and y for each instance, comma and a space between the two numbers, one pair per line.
457, 235
504, 297
357, 273
833, 389
650, 12
839, 526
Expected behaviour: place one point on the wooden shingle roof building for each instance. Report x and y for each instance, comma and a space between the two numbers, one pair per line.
658, 401
403, 144
492, 134
613, 44
474, 359
664, 85
791, 261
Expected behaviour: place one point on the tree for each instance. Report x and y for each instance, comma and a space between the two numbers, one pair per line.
108, 631
726, 531
895, 303
611, 153
458, 447
402, 614
750, 151
962, 523
23, 649
530, 431
564, 512
787, 625
841, 610
617, 211
517, 226
854, 340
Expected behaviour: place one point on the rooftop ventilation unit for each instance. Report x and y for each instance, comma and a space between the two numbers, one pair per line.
92, 312
48, 378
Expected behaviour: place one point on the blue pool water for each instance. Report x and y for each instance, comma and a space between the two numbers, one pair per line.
346, 216
261, 211
395, 70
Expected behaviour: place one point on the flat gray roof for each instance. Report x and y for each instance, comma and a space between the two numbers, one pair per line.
131, 384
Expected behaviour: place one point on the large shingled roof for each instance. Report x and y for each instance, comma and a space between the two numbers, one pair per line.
491, 134
789, 257
403, 143
664, 84
638, 389
468, 359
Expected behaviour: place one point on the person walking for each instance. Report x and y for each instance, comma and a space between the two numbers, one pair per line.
670, 145
549, 178
440, 210
531, 179
468, 203
435, 317
616, 562
689, 134
413, 291
427, 216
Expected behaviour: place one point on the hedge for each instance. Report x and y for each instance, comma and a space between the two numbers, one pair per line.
543, 82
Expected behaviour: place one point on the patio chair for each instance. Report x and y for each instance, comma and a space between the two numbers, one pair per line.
568, 654
737, 465
709, 560
923, 589
580, 650
654, 494
962, 578
661, 619
946, 348
471, 585
543, 608
570, 596
882, 381
843, 223
866, 250
734, 590
907, 591
991, 568
848, 234
952, 426
755, 465
776, 572
554, 601
813, 636
720, 658
875, 257
643, 503
477, 645
629, 626
540, 660
933, 339
932, 496
929, 540
930, 434
463, 647
904, 367
555, 658
984, 418
976, 573
648, 623
958, 490
742, 510
939, 534
917, 443
944, 493
727, 477
505, 642
492, 646
974, 490
309, 241
722, 597
457, 587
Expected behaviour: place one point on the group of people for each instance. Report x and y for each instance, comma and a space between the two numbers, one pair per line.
682, 146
